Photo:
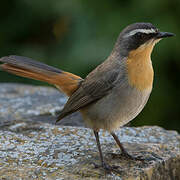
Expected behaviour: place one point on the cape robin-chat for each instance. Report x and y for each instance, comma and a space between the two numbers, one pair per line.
112, 94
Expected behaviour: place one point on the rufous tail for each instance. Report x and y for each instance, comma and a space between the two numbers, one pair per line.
26, 67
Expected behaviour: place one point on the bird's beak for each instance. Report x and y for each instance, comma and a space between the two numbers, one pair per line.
164, 35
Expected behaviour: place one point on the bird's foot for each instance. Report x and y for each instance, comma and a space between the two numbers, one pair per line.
108, 169
127, 156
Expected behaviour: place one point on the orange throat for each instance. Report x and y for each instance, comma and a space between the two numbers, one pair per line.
139, 67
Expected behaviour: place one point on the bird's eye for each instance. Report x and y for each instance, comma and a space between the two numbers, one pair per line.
140, 35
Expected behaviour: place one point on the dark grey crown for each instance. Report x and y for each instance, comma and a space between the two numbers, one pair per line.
137, 26
133, 36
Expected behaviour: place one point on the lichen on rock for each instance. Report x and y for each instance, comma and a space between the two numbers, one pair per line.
48, 151
31, 148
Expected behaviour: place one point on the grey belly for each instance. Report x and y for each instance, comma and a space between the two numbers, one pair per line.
116, 109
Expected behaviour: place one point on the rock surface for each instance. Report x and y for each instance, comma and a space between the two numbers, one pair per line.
45, 151
32, 147
33, 103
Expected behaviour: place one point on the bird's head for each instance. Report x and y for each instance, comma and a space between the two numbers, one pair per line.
139, 37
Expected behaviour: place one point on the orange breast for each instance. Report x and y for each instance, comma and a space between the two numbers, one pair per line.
139, 68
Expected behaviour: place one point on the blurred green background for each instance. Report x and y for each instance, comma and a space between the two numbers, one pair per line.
77, 35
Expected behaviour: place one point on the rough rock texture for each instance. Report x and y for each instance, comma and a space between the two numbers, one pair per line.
33, 103
45, 151
31, 148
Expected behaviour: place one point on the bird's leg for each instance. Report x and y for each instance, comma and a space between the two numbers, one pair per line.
107, 168
123, 151
100, 151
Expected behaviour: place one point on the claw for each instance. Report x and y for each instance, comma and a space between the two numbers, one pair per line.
127, 156
108, 169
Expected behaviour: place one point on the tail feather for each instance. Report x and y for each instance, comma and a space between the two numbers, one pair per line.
25, 62
29, 68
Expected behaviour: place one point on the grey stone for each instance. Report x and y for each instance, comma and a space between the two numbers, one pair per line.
33, 103
46, 151
32, 147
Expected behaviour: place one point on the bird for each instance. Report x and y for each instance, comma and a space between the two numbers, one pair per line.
112, 94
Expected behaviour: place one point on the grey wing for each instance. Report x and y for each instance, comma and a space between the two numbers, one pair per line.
93, 88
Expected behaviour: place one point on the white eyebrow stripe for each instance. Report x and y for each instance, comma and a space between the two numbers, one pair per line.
146, 31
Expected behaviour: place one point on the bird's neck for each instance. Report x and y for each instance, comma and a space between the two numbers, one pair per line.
139, 68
